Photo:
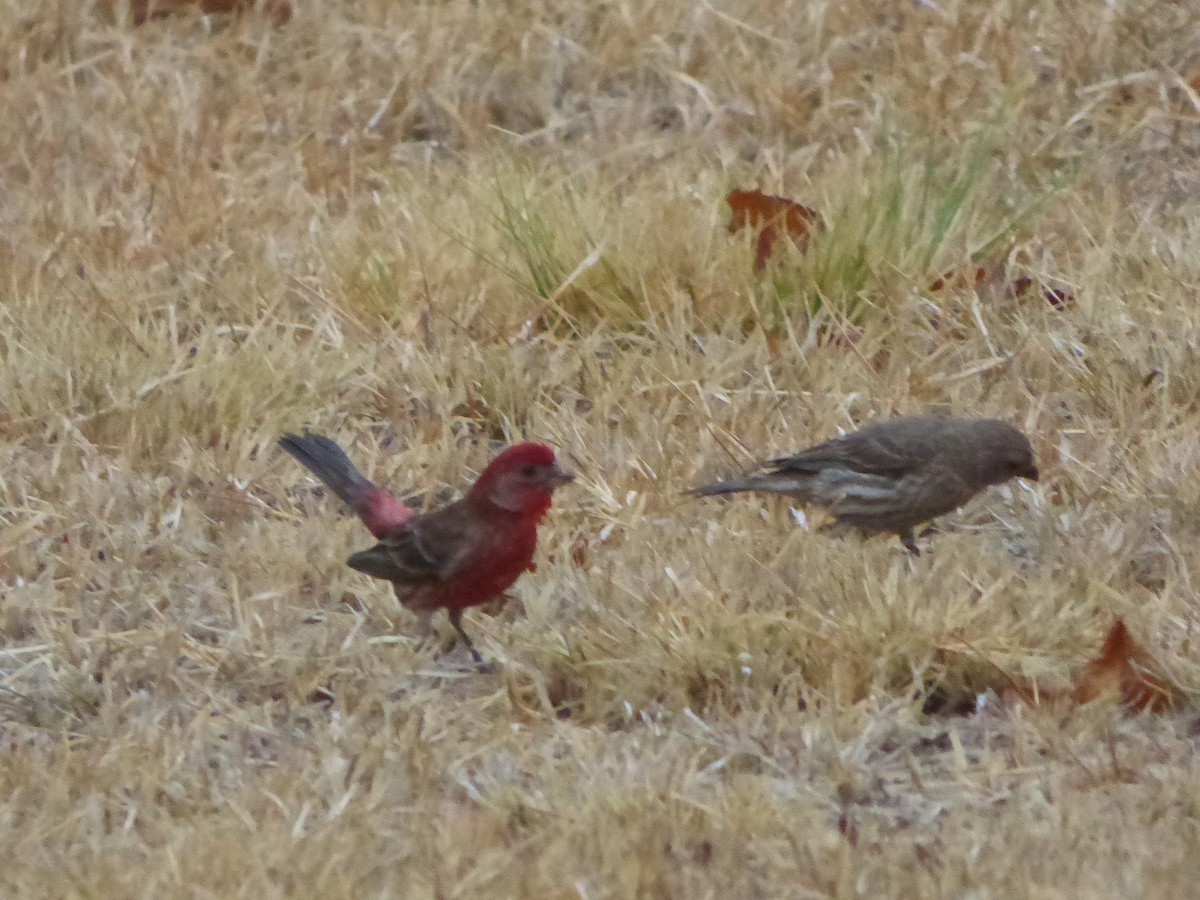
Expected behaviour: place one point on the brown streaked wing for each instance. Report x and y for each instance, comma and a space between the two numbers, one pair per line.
892, 448
431, 548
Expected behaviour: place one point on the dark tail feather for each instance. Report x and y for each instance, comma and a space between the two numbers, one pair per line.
732, 486
795, 485
329, 462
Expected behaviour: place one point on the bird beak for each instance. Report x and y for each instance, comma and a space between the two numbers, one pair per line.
1031, 473
557, 476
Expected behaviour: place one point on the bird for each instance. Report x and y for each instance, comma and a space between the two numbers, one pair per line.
890, 476
462, 555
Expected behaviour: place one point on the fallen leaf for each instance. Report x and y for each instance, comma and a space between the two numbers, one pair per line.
958, 280
994, 277
774, 342
840, 336
775, 338
770, 215
1126, 669
142, 11
847, 828
975, 678
1057, 297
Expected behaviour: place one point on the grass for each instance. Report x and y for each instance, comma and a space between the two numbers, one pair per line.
429, 229
905, 212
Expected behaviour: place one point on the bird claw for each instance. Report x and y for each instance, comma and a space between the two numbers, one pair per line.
475, 654
444, 651
480, 663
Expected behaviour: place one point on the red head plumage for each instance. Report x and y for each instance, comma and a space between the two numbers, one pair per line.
520, 480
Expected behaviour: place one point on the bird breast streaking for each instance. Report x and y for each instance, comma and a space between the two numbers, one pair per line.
891, 476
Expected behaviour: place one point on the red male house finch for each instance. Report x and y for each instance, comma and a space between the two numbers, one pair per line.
893, 475
463, 555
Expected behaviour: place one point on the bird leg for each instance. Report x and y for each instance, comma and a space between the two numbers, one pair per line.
428, 634
456, 620
909, 542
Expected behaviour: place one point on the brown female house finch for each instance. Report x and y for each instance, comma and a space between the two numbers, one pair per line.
463, 555
893, 475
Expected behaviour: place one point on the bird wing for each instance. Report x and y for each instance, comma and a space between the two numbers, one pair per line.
893, 448
430, 548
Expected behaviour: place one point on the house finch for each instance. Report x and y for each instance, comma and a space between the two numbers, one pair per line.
465, 554
891, 476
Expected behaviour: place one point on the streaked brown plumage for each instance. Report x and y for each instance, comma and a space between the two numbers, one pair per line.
893, 475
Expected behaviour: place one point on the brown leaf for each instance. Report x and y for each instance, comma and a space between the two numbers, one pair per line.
473, 408
848, 829
775, 342
771, 216
1055, 296
775, 338
1125, 669
994, 277
959, 280
142, 11
839, 335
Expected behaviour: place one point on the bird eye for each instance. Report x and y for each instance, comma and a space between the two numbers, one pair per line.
529, 471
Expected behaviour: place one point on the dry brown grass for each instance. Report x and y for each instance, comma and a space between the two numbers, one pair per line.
423, 228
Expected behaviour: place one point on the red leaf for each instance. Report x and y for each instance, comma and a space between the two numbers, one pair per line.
770, 215
1125, 669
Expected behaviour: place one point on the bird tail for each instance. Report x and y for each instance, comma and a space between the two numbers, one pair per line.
795, 484
380, 511
329, 462
722, 487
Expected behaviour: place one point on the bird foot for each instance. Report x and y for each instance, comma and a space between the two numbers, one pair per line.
910, 543
483, 666
477, 663
456, 621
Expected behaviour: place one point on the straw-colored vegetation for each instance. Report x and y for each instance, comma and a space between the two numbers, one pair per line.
428, 228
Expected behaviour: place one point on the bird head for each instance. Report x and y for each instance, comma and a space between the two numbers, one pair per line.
1004, 453
521, 480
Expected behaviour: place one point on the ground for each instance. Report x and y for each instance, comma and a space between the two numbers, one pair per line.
428, 229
